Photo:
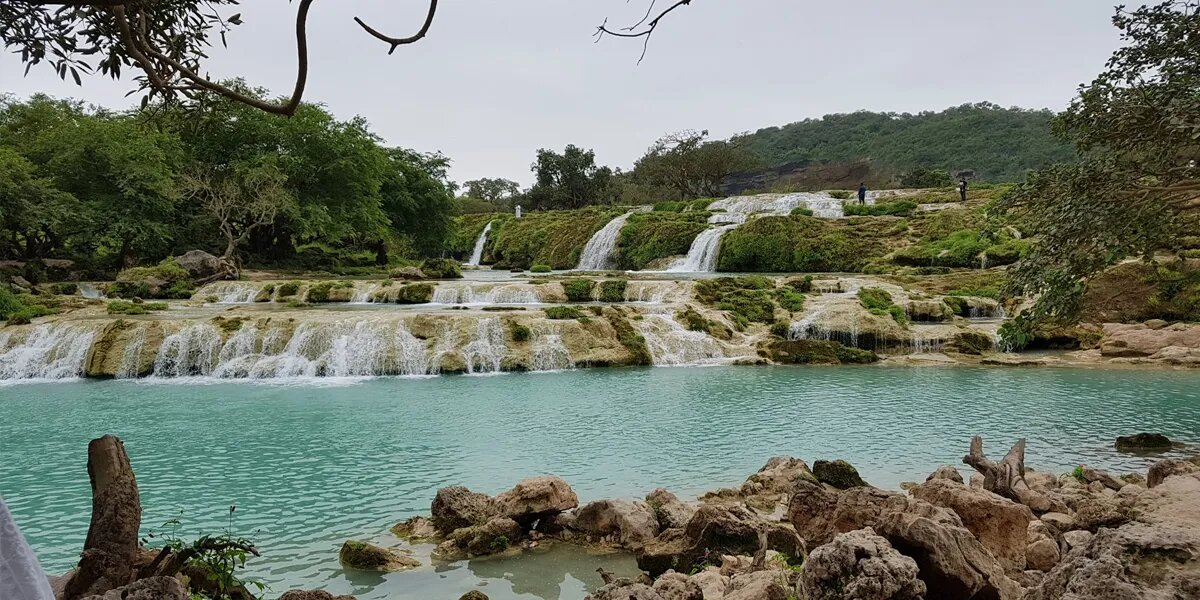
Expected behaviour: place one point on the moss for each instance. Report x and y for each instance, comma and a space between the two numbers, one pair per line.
520, 333
20, 309
562, 313
790, 299
579, 290
613, 290
801, 211
554, 238
540, 269
361, 555
798, 243
167, 280
781, 330
417, 293
694, 321
648, 237
747, 299
958, 305
330, 291
123, 307
973, 342
228, 325
289, 289
901, 208
441, 268
815, 352
875, 298
631, 339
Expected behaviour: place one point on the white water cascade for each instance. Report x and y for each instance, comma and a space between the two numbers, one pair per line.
549, 352
229, 292
89, 290
54, 351
485, 352
597, 254
672, 345
477, 253
362, 294
702, 256
500, 294
131, 358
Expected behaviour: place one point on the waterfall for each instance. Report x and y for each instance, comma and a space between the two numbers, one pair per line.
549, 352
672, 345
445, 346
190, 352
485, 351
647, 292
363, 295
477, 253
501, 294
53, 351
229, 292
89, 290
702, 256
597, 254
131, 358
925, 343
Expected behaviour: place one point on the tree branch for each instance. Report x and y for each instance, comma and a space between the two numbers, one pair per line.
631, 31
396, 42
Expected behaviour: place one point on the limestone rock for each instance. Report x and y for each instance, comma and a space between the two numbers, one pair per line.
456, 507
473, 595
669, 509
714, 584
676, 586
777, 476
718, 529
151, 588
1042, 554
1060, 521
415, 529
1163, 469
312, 595
760, 585
494, 536
408, 273
946, 472
1077, 538
860, 565
1143, 441
624, 589
819, 513
838, 473
362, 556
1139, 341
630, 523
1096, 475
997, 522
199, 264
535, 498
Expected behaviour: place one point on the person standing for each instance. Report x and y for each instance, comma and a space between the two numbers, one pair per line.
862, 193
962, 189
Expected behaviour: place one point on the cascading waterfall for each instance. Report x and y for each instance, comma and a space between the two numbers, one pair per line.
229, 292
597, 254
191, 352
670, 344
131, 358
89, 290
485, 352
444, 346
702, 256
477, 253
922, 342
362, 295
549, 352
53, 351
501, 294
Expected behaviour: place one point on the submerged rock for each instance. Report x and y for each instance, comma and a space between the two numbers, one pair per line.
456, 507
415, 529
312, 595
497, 535
860, 565
838, 473
362, 556
1143, 441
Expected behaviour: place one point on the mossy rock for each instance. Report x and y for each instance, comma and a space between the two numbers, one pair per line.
1144, 441
694, 321
441, 268
417, 293
578, 290
613, 290
362, 556
837, 473
474, 595
816, 352
330, 291
167, 280
631, 339
972, 342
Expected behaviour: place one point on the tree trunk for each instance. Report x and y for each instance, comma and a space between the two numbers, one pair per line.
1006, 478
112, 539
126, 255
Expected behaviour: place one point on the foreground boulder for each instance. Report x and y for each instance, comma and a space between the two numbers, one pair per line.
623, 523
200, 265
362, 556
497, 535
818, 513
670, 511
860, 565
151, 588
997, 522
456, 507
535, 498
1161, 470
838, 473
717, 530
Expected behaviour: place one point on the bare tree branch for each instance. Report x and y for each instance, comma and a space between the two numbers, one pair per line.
396, 42
633, 32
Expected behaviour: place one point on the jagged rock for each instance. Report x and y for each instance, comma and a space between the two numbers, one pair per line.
819, 513
946, 472
1077, 538
535, 498
669, 509
199, 264
362, 556
1060, 521
415, 529
712, 582
716, 529
860, 565
997, 522
777, 476
1097, 475
456, 507
677, 586
494, 536
630, 523
151, 588
1161, 470
760, 585
474, 595
408, 273
1143, 441
1102, 512
1042, 554
838, 473
312, 595
953, 564
20, 283
624, 589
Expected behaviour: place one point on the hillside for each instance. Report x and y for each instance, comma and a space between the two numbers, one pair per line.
999, 144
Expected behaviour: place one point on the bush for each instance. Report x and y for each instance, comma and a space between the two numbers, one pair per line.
578, 290
520, 333
330, 291
167, 280
123, 307
21, 309
790, 299
874, 298
540, 269
613, 291
922, 177
801, 211
288, 289
441, 268
563, 313
747, 299
841, 194
805, 244
647, 237
895, 209
65, 289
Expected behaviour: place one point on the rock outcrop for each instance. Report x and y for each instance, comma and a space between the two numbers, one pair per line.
623, 523
860, 565
151, 588
713, 531
818, 512
456, 507
1143, 442
997, 522
362, 556
670, 511
535, 498
838, 473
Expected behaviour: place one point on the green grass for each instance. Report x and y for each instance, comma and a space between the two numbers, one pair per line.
123, 307
288, 289
880, 302
746, 299
21, 309
540, 269
563, 313
799, 244
895, 209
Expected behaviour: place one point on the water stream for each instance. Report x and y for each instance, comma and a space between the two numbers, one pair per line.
597, 254
477, 253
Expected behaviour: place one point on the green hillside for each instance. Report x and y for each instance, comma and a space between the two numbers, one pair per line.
999, 144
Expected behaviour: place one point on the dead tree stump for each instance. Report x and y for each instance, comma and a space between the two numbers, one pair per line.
112, 542
1007, 477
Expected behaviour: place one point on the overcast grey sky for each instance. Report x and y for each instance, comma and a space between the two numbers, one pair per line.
497, 79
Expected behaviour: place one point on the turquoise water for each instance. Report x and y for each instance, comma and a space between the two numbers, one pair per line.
311, 464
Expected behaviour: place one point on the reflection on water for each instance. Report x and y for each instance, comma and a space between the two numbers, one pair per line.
310, 467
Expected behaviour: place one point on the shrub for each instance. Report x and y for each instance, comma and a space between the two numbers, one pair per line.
781, 330
330, 291
806, 244
520, 333
123, 307
21, 309
578, 290
288, 289
540, 269
747, 299
563, 313
647, 237
801, 211
613, 290
895, 209
923, 177
441, 268
841, 194
874, 298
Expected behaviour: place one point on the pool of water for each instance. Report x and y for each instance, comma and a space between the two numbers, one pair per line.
311, 464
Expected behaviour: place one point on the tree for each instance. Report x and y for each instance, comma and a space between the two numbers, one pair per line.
32, 209
570, 180
922, 177
1137, 189
167, 42
497, 191
239, 201
685, 162
418, 200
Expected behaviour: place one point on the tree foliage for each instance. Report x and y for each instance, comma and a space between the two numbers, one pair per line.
690, 165
498, 191
1137, 189
570, 180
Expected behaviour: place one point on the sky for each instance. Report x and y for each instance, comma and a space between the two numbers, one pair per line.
497, 79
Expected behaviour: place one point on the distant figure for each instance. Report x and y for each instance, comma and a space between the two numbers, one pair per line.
962, 189
518, 211
862, 193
